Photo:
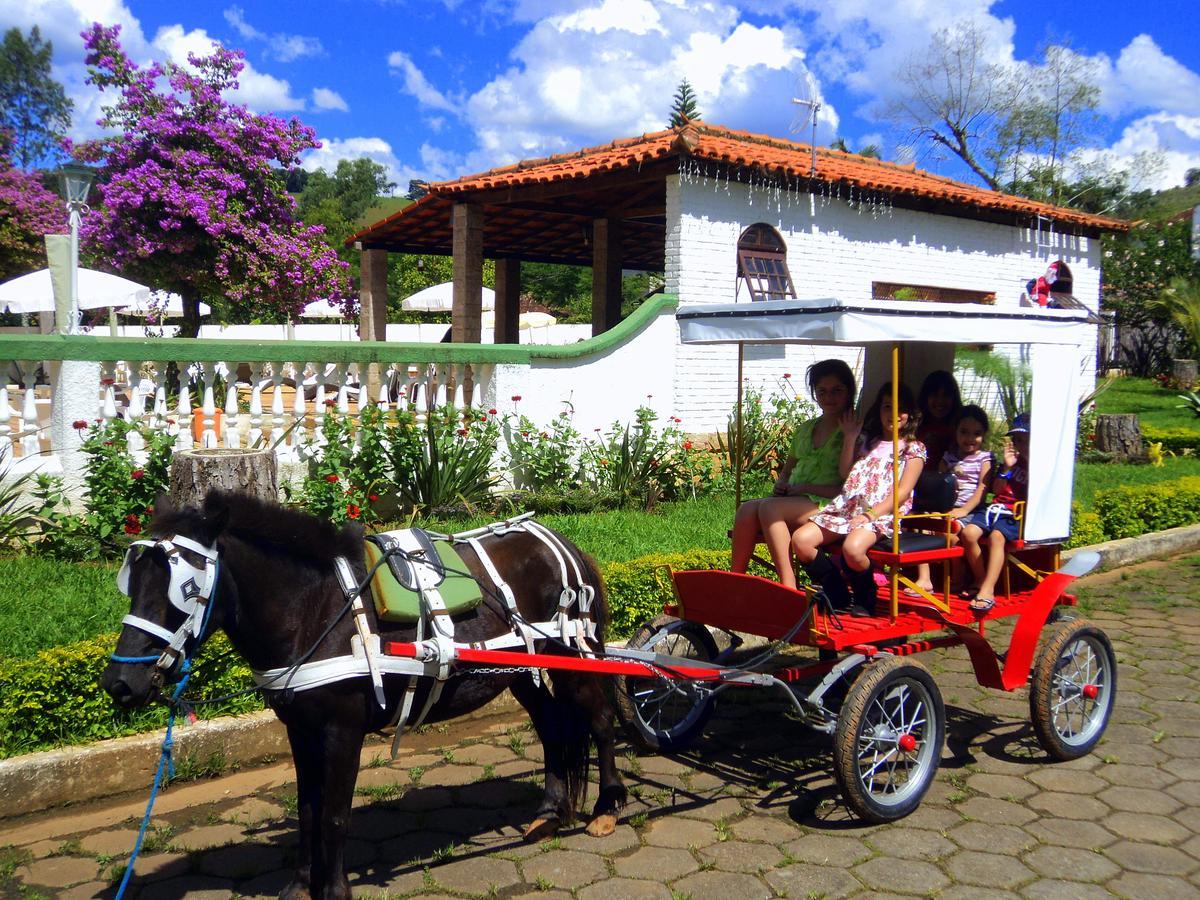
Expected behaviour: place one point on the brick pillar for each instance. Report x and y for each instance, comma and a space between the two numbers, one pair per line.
372, 295
508, 301
606, 274
468, 273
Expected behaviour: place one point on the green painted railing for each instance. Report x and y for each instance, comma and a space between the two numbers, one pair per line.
96, 348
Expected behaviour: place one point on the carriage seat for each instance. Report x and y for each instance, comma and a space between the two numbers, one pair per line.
393, 586
925, 532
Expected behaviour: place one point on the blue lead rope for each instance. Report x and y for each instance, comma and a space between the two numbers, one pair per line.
165, 763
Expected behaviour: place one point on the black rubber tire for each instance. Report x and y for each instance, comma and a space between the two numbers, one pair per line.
1067, 723
889, 691
665, 714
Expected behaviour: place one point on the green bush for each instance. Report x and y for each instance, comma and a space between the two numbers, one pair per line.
1129, 511
638, 589
54, 698
1177, 440
1086, 528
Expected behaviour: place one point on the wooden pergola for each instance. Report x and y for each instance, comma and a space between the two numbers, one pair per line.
606, 207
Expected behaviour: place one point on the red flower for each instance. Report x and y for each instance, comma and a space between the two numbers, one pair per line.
137, 474
79, 424
149, 510
545, 437
134, 527
463, 432
789, 375
687, 445
108, 443
372, 497
107, 381
491, 412
331, 478
330, 402
483, 418
353, 511
516, 398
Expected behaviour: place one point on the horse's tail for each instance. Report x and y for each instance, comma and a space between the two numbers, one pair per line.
574, 747
592, 576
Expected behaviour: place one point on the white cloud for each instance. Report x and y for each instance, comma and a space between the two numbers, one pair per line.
332, 150
416, 84
325, 99
1143, 77
610, 67
1171, 140
283, 47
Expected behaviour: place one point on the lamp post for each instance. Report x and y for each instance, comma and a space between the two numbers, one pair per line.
76, 182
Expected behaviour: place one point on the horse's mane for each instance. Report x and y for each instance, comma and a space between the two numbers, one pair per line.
262, 524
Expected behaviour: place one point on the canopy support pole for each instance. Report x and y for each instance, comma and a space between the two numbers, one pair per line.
737, 441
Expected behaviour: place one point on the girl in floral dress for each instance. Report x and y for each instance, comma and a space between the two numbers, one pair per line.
862, 512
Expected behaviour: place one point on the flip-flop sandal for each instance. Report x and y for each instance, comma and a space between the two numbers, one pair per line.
982, 606
914, 594
968, 593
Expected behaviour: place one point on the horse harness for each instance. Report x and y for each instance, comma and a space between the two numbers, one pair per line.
418, 567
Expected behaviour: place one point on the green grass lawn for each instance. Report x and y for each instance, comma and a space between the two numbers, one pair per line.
1154, 405
1092, 477
45, 603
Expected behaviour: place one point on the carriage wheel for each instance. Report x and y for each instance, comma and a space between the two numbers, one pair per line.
666, 714
1073, 689
888, 741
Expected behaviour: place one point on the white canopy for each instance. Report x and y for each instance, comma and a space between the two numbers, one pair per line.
832, 321
524, 321
440, 298
323, 309
1051, 341
34, 292
159, 303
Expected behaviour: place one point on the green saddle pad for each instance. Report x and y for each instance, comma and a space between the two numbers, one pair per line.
396, 603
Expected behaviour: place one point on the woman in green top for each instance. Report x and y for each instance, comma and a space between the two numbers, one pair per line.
817, 464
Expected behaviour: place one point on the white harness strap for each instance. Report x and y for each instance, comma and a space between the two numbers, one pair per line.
510, 599
370, 640
149, 627
583, 627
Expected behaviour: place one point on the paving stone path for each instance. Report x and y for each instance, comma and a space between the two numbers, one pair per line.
752, 812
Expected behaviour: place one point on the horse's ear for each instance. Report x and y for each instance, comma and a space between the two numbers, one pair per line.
216, 510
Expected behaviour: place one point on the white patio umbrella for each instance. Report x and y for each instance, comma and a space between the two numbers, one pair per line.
34, 293
322, 309
158, 303
440, 298
524, 320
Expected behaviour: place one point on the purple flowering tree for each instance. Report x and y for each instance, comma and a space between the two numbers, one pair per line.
27, 211
192, 196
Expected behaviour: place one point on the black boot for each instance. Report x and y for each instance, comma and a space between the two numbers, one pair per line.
826, 576
865, 592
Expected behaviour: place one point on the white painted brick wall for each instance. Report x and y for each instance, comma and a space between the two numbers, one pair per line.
836, 249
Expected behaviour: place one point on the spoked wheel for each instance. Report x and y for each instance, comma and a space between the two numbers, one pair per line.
662, 713
889, 737
1073, 690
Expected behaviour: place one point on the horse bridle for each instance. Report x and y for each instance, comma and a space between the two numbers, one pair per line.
191, 592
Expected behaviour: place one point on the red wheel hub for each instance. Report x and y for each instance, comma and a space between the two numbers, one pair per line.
1091, 691
907, 743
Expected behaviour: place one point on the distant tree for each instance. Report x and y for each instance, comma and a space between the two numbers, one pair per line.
868, 150
1015, 127
337, 202
33, 106
1191, 178
27, 212
683, 108
190, 193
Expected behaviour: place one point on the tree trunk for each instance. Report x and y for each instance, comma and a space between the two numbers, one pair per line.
191, 317
1120, 435
195, 472
1185, 371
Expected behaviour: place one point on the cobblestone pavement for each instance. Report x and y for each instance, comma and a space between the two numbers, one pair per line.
752, 812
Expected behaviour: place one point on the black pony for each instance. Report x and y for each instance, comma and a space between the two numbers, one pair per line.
277, 592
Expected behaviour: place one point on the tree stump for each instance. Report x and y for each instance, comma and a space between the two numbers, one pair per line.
1185, 371
1120, 436
195, 472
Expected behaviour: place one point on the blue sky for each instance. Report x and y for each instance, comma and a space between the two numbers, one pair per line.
440, 88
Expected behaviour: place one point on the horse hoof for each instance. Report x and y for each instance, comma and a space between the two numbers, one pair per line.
603, 825
541, 830
296, 891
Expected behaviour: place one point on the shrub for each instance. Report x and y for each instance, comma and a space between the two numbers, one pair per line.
344, 481
1087, 528
1176, 440
444, 462
1129, 510
546, 459
638, 589
54, 698
639, 463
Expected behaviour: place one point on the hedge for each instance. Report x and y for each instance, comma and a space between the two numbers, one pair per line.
1132, 510
54, 698
1177, 440
1086, 528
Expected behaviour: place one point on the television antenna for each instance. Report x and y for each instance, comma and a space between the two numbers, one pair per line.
806, 91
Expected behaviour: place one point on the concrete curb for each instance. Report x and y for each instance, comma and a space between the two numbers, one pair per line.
39, 781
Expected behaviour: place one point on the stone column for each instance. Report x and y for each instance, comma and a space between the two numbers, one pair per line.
468, 273
606, 274
372, 295
508, 301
